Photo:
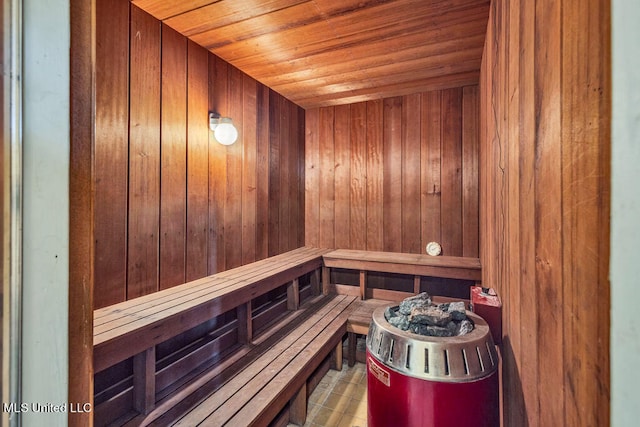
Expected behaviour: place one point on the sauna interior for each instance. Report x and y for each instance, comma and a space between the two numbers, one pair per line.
369, 126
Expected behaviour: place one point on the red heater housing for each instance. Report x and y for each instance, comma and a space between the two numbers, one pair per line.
419, 381
486, 303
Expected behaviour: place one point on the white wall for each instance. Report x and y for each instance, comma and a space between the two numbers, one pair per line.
625, 215
46, 206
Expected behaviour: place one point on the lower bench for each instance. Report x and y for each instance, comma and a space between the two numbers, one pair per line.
259, 391
358, 324
163, 341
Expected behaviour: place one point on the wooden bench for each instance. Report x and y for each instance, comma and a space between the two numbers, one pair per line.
257, 393
358, 324
364, 262
266, 376
416, 265
134, 328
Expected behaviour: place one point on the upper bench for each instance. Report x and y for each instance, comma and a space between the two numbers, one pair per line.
131, 327
416, 265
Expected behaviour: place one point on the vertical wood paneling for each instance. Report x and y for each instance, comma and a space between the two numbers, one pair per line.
81, 210
545, 205
294, 153
342, 176
326, 186
111, 152
548, 205
144, 155
262, 172
523, 316
249, 170
197, 162
218, 103
375, 176
300, 176
169, 197
585, 167
233, 201
470, 149
296, 210
275, 189
294, 150
430, 166
392, 186
284, 211
515, 213
451, 172
312, 177
289, 164
358, 179
388, 194
499, 149
173, 159
411, 141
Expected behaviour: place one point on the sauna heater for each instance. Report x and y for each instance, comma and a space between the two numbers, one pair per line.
419, 381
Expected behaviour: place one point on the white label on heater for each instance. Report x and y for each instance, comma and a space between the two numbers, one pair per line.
378, 372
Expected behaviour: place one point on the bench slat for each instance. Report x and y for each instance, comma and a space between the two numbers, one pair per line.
233, 395
295, 362
265, 406
361, 317
175, 295
222, 395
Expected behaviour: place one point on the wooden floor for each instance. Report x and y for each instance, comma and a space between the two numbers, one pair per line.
340, 399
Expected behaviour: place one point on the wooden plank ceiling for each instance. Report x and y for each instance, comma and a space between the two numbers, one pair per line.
330, 52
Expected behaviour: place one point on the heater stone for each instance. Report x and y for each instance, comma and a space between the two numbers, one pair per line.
419, 300
419, 315
429, 315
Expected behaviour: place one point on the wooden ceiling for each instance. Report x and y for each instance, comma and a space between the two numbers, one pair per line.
330, 52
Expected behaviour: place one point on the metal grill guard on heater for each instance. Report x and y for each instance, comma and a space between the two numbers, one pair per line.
419, 381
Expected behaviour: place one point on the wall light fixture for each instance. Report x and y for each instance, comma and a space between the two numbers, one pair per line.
223, 129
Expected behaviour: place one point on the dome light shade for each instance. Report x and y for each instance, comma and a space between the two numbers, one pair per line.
223, 129
226, 133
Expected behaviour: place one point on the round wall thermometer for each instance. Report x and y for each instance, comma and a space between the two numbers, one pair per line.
434, 248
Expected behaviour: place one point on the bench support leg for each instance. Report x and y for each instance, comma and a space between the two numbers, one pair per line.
352, 348
144, 380
336, 363
293, 295
363, 285
416, 285
298, 406
245, 323
326, 277
316, 282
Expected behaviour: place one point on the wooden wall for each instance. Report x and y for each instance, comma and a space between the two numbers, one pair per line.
394, 174
81, 203
545, 177
171, 204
